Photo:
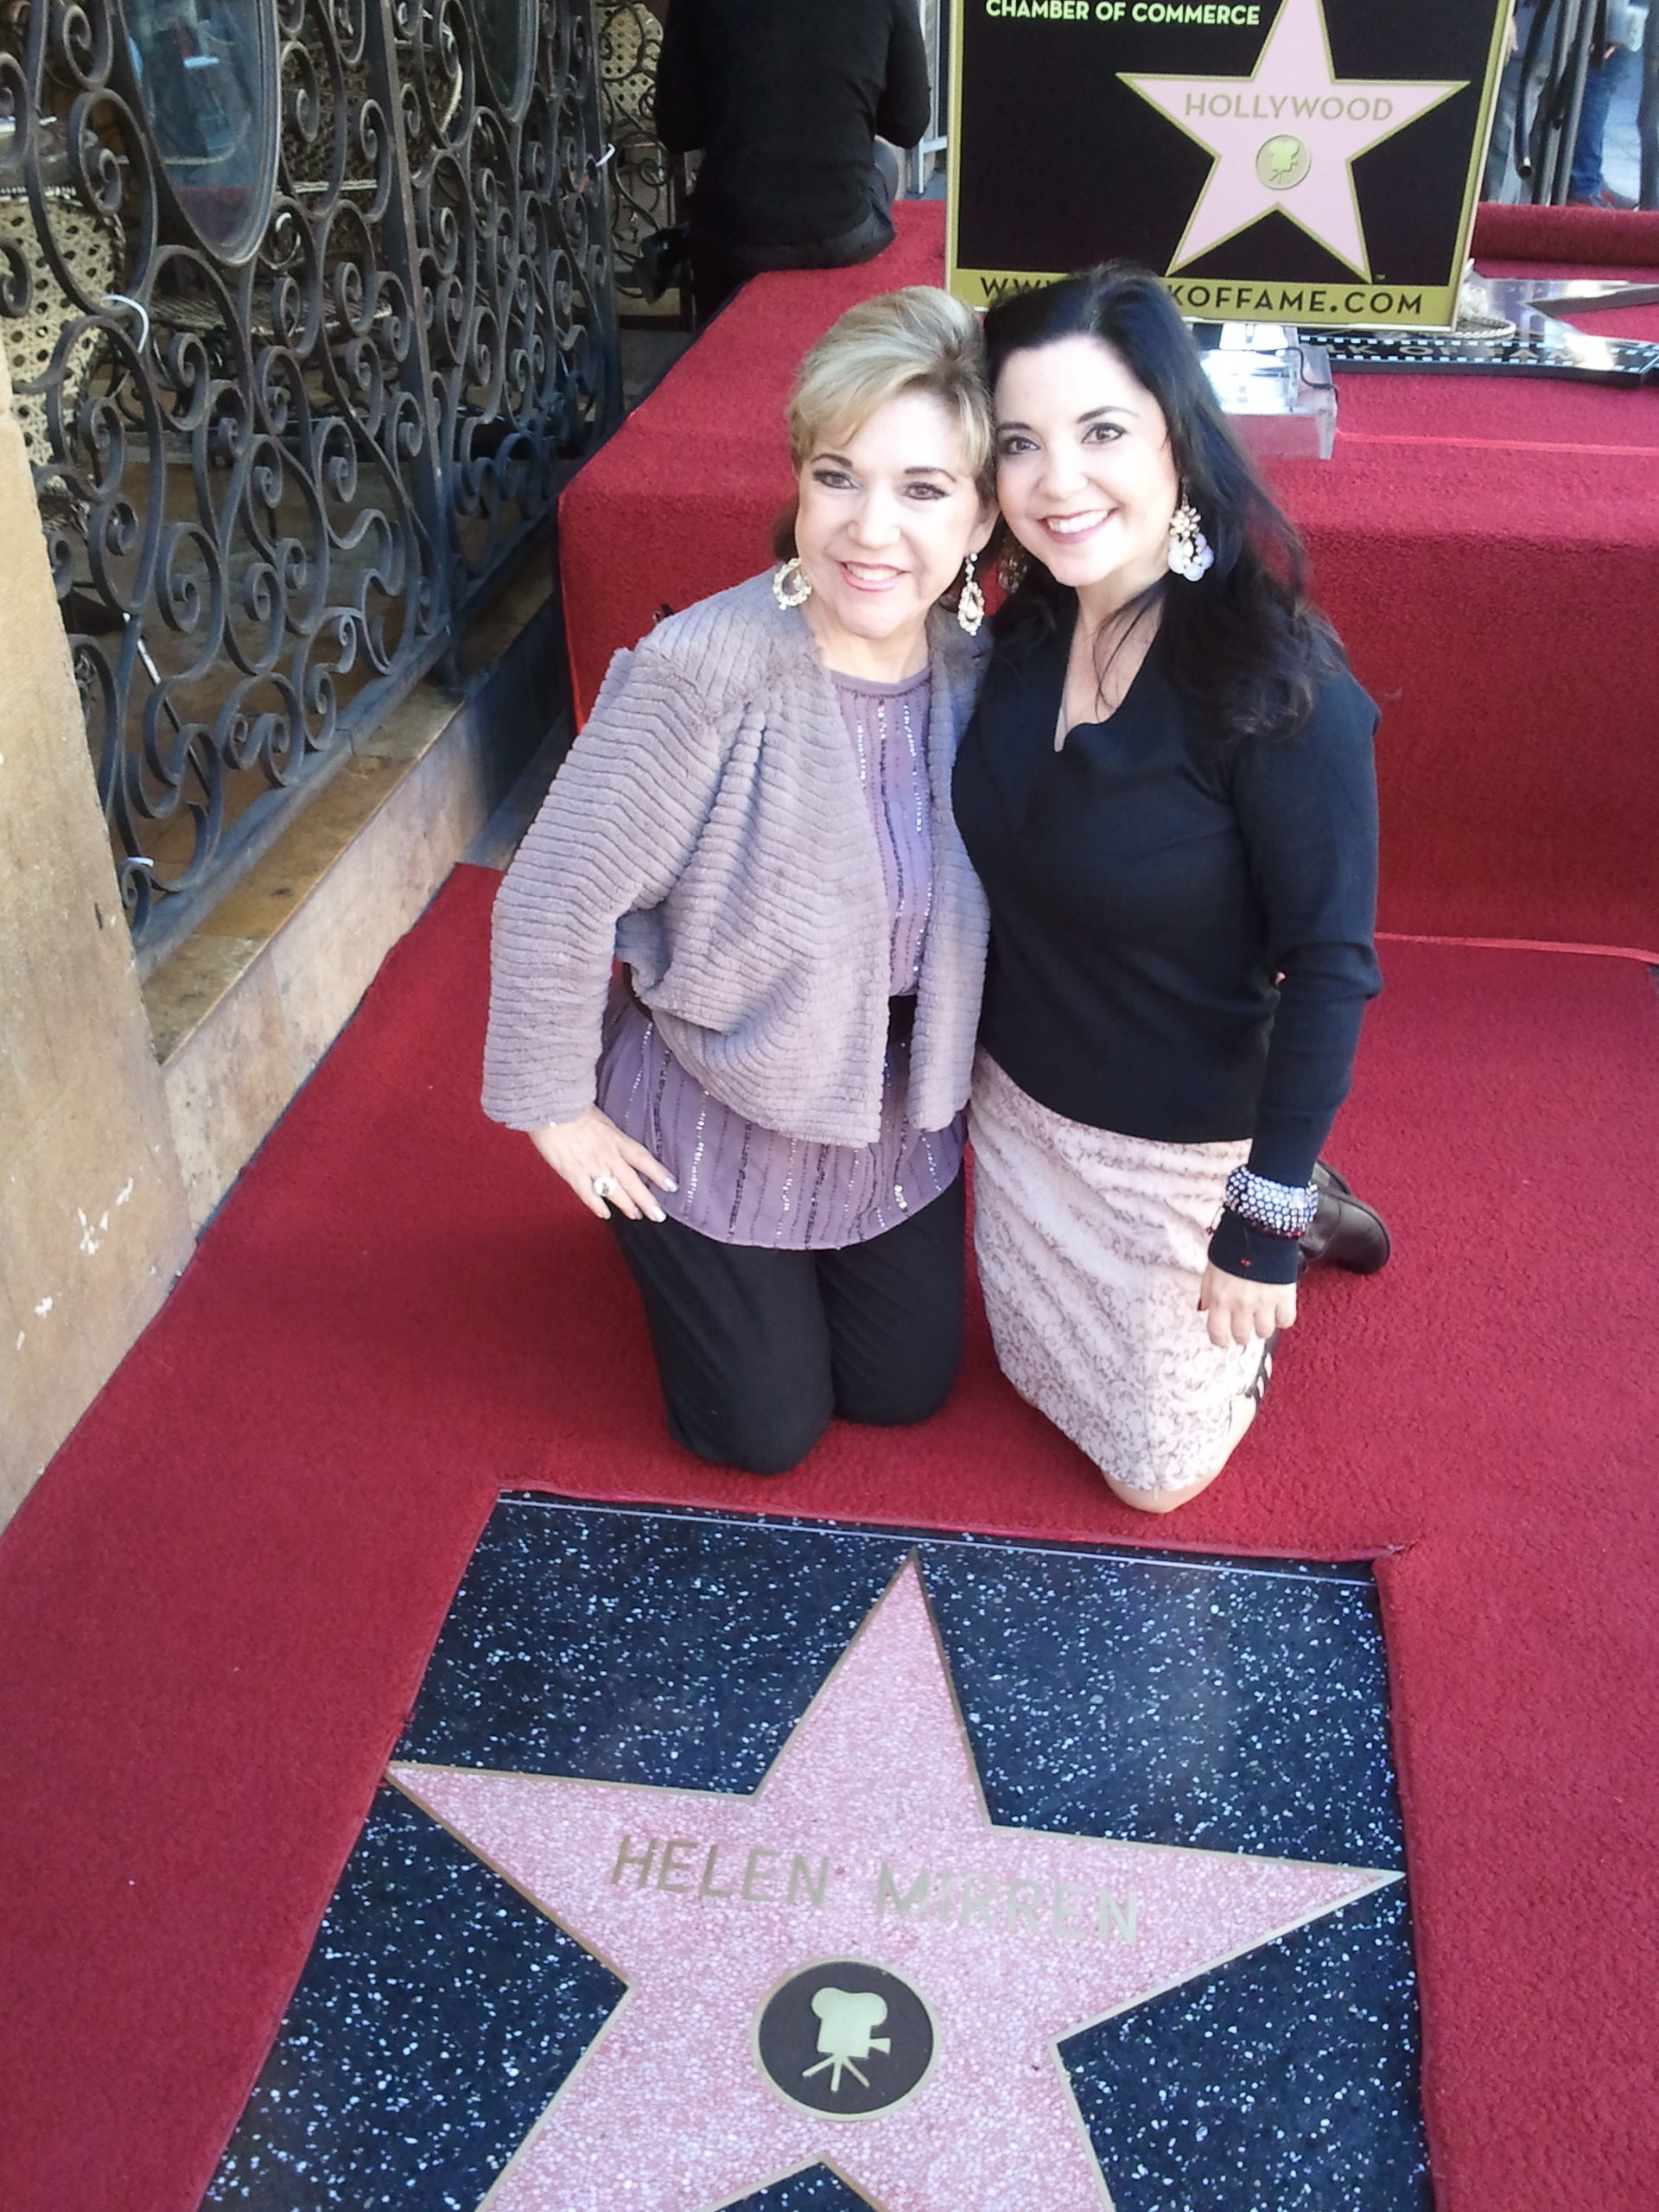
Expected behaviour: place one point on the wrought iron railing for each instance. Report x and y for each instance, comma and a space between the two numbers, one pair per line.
647, 181
936, 35
306, 308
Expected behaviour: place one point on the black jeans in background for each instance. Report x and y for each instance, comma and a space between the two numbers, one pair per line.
756, 1349
716, 273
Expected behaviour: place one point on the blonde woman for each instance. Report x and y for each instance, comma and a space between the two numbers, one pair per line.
756, 823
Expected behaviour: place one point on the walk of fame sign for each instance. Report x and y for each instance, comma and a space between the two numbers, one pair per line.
1300, 162
728, 1863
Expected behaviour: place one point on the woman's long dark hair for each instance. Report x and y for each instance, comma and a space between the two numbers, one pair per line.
1244, 641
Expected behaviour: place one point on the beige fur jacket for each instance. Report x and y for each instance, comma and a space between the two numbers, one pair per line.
708, 829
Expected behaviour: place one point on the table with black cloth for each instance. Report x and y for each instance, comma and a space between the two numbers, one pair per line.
1488, 548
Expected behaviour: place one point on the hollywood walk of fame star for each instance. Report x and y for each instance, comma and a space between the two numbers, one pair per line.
1286, 137
860, 1896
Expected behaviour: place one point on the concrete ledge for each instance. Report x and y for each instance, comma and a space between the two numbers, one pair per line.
244, 1010
94, 1220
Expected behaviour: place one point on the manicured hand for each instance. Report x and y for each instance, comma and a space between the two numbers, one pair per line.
1236, 1310
593, 1148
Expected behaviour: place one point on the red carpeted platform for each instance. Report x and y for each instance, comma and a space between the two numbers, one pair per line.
1628, 238
216, 1606
1488, 550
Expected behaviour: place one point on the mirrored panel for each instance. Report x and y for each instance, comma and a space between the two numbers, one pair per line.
206, 72
506, 38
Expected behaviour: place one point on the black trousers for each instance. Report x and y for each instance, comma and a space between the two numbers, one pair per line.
715, 276
756, 1349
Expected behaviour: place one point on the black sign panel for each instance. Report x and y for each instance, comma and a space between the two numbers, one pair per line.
1296, 161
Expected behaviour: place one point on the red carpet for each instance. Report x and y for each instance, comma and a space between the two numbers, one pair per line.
1489, 552
1627, 237
216, 1606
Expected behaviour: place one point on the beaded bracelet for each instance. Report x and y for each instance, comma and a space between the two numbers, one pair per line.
1281, 1209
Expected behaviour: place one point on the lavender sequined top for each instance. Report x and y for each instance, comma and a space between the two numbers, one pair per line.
743, 1185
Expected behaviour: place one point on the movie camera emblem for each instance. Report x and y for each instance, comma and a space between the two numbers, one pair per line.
846, 2039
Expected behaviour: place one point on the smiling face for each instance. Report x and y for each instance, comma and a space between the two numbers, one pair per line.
886, 515
1084, 474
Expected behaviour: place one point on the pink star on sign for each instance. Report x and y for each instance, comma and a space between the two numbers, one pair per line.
1286, 137
853, 1966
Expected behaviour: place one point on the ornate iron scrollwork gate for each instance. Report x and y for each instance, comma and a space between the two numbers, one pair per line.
308, 309
643, 196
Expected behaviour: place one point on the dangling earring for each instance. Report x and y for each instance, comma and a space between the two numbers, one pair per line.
1189, 548
790, 585
970, 601
1011, 566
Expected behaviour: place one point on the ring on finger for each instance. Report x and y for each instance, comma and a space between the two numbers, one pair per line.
602, 1186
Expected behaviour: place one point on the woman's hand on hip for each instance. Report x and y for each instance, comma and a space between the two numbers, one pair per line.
592, 1152
1236, 1310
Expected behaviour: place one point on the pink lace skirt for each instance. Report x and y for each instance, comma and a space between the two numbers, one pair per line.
1091, 1246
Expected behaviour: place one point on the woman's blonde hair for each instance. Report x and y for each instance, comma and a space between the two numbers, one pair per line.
919, 339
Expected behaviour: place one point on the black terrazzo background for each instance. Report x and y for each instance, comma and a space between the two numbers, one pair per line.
1228, 1704
437, 2014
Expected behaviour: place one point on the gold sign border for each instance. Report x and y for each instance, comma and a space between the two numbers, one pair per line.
1439, 302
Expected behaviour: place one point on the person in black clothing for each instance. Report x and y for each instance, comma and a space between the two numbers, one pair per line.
787, 100
1167, 792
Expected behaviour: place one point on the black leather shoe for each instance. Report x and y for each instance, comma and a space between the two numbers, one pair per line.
1346, 1232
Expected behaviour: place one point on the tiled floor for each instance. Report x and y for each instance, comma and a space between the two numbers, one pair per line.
1231, 1714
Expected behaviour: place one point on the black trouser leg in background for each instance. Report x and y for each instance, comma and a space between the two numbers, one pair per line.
714, 278
756, 1349
713, 282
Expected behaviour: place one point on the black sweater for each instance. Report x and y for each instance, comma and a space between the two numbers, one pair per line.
787, 97
1147, 884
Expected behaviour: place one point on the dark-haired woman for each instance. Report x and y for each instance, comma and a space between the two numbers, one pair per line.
1167, 792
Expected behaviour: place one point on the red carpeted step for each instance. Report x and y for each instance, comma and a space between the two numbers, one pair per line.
1487, 550
216, 1606
1627, 237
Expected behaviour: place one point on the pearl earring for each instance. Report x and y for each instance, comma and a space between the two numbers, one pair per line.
790, 585
970, 601
1189, 548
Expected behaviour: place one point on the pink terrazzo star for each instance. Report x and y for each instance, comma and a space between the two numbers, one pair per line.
1286, 136
867, 1841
